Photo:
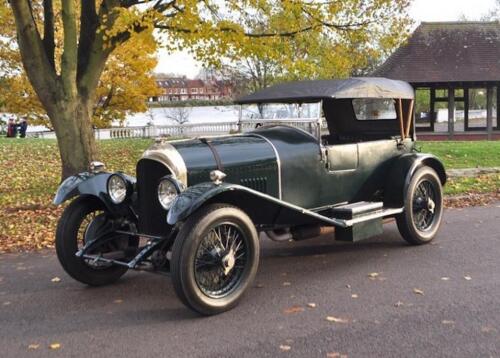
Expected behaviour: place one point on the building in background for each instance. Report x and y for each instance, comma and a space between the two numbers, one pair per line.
455, 70
182, 89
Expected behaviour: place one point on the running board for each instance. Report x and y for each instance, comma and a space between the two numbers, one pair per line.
361, 220
380, 214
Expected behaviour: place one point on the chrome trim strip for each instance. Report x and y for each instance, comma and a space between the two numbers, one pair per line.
166, 154
278, 161
379, 214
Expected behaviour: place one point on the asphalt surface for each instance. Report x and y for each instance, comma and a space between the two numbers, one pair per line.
141, 316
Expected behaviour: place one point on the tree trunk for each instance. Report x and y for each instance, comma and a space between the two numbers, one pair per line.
75, 136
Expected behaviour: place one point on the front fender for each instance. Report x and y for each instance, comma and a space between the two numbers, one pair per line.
91, 185
192, 198
263, 209
402, 171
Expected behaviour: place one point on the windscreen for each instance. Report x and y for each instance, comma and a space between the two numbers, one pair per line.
281, 111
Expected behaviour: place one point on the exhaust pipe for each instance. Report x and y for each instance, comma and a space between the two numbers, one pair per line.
299, 233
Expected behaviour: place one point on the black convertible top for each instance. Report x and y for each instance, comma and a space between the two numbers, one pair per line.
307, 91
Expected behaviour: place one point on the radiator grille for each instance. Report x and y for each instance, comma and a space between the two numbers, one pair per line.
259, 184
152, 216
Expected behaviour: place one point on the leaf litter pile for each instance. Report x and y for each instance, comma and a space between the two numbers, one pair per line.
30, 175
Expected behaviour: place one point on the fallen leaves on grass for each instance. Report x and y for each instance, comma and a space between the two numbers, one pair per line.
27, 217
471, 199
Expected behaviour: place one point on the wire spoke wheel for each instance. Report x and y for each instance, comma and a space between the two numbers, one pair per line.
220, 260
424, 203
423, 207
83, 221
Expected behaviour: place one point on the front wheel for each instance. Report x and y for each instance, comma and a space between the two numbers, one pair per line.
423, 209
79, 223
214, 259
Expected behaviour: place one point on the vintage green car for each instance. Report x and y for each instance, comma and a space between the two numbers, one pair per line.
309, 155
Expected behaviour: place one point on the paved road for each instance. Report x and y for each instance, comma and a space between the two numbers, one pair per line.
140, 315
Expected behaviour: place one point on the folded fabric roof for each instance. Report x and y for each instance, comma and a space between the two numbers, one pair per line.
308, 91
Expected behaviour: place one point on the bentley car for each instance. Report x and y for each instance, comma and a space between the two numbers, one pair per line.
310, 157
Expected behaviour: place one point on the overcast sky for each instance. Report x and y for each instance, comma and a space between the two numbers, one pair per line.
421, 10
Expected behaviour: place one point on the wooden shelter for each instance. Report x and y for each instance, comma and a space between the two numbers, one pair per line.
454, 68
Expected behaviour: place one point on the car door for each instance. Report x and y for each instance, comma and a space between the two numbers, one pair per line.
357, 171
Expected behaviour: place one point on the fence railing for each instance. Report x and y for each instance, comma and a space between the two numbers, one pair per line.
190, 130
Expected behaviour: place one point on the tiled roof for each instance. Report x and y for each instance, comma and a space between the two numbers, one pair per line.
447, 52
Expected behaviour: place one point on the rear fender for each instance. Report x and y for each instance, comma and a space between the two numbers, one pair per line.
402, 171
264, 210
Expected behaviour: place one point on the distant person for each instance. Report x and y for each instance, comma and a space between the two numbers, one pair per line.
11, 128
23, 126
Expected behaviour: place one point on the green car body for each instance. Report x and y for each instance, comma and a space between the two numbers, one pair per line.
348, 171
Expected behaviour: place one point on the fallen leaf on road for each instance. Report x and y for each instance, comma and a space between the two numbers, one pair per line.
447, 322
336, 355
354, 295
287, 284
33, 346
467, 278
311, 305
445, 278
373, 275
56, 279
285, 348
118, 301
337, 319
418, 291
55, 345
293, 309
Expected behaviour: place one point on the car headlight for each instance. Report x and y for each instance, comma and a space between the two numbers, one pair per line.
168, 189
117, 188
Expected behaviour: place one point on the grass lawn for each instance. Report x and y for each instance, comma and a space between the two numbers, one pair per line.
459, 155
30, 168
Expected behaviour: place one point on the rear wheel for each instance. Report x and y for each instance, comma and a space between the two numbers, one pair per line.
214, 259
79, 223
423, 209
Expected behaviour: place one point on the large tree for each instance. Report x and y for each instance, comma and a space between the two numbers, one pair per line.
66, 80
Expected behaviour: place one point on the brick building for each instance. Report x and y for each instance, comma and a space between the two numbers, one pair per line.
183, 89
